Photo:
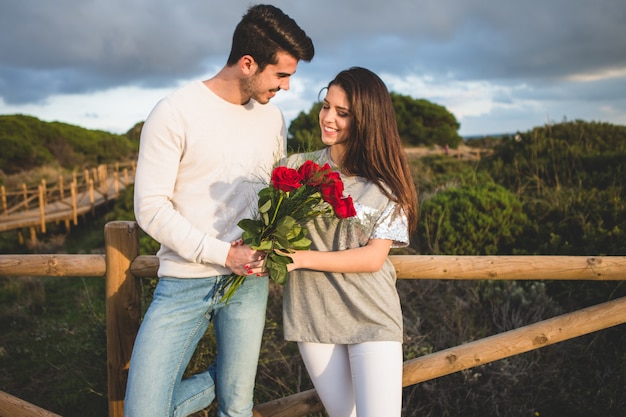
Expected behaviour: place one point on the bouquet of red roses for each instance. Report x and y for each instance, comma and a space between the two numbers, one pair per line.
294, 197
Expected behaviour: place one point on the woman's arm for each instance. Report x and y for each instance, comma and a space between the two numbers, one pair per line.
369, 258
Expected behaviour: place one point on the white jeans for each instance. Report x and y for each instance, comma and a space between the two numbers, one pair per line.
363, 380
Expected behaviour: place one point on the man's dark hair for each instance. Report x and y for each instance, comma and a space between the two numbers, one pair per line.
263, 31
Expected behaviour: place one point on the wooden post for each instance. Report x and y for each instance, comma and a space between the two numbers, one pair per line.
33, 236
25, 194
44, 187
102, 173
74, 203
92, 197
3, 191
116, 183
42, 209
61, 187
123, 307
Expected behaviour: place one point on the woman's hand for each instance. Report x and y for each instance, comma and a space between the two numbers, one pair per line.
253, 263
256, 268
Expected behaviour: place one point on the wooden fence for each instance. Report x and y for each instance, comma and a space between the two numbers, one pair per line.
64, 200
121, 265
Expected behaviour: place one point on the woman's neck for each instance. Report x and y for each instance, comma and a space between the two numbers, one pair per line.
336, 154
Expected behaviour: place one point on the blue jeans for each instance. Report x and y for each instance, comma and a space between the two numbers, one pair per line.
177, 318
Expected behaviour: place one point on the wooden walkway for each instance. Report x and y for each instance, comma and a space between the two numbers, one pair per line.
63, 201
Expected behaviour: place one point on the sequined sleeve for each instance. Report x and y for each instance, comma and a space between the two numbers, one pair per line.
393, 225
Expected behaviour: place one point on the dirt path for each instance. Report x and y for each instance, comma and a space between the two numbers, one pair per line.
462, 152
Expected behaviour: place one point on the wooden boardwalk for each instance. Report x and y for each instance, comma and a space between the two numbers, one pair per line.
63, 201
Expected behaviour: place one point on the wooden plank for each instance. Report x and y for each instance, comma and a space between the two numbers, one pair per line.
589, 268
540, 267
515, 342
300, 404
11, 406
53, 265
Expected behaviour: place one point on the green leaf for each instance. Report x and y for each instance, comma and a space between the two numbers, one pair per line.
281, 241
279, 258
277, 267
233, 282
250, 225
265, 207
264, 245
267, 192
284, 225
295, 232
251, 239
301, 244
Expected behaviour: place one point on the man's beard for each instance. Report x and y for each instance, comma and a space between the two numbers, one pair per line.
250, 87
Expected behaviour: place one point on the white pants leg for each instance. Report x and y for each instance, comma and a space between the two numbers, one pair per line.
377, 378
363, 380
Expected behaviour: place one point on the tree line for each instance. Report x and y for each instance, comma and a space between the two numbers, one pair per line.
420, 123
28, 143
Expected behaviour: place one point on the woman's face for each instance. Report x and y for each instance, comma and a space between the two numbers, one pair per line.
335, 117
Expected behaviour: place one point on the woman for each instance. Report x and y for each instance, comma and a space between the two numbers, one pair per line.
340, 303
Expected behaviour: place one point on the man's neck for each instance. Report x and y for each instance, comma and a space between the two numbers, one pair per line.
226, 85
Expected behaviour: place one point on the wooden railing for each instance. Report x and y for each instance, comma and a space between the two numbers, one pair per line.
121, 265
63, 200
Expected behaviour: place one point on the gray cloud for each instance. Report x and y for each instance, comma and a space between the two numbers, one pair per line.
87, 45
81, 46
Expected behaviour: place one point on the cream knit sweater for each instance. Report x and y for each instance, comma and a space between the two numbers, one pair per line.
201, 162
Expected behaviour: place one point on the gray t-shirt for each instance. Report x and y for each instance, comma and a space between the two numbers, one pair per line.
348, 308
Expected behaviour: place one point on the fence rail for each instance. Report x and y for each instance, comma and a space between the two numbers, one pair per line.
121, 265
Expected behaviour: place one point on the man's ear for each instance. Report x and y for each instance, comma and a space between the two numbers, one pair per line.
248, 65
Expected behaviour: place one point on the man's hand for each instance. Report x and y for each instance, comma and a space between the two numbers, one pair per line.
242, 258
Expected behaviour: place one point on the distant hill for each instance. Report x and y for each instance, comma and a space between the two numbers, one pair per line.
28, 143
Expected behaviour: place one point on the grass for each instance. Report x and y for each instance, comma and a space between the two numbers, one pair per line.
53, 347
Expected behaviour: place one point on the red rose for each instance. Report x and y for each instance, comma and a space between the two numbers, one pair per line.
331, 187
309, 171
286, 179
331, 193
344, 208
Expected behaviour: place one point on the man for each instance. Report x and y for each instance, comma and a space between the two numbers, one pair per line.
205, 151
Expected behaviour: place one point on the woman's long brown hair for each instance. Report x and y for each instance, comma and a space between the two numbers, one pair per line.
374, 150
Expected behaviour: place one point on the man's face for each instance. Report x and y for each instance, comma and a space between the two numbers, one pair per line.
264, 85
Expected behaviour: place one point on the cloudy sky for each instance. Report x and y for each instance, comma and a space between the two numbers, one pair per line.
498, 65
